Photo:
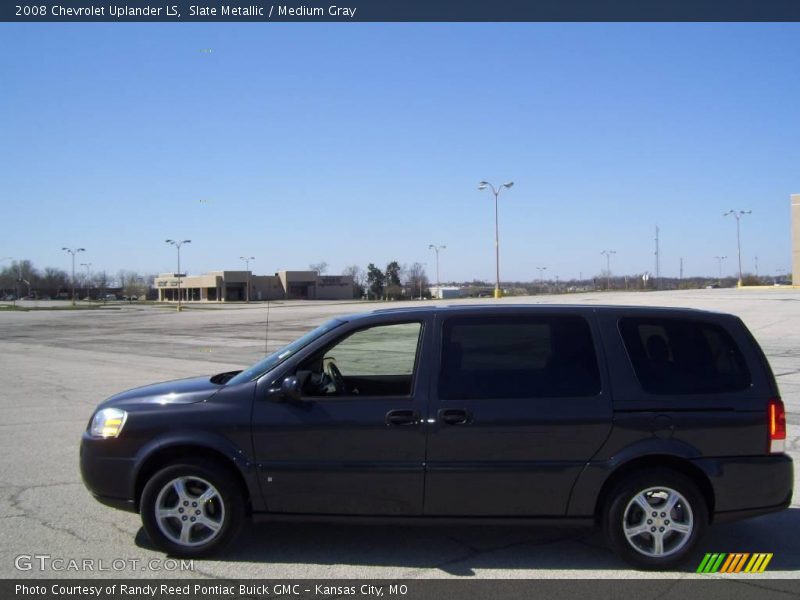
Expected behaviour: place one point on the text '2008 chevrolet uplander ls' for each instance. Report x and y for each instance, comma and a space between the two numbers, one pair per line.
652, 423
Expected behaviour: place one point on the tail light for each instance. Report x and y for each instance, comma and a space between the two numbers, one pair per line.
777, 426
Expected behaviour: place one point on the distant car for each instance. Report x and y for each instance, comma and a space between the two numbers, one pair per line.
712, 286
9, 297
649, 422
110, 297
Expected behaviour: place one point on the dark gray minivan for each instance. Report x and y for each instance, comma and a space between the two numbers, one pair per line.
651, 423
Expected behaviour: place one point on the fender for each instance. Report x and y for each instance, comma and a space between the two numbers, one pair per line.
206, 440
585, 492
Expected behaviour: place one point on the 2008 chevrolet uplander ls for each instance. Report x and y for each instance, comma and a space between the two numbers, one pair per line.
652, 423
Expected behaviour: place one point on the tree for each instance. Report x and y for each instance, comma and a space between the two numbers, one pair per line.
357, 274
416, 280
321, 267
132, 284
393, 286
54, 281
375, 280
393, 271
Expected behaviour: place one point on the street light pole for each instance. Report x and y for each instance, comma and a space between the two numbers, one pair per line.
73, 252
178, 246
608, 254
88, 272
738, 214
720, 259
247, 266
541, 274
496, 191
436, 249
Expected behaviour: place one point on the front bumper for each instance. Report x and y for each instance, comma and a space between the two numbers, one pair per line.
109, 477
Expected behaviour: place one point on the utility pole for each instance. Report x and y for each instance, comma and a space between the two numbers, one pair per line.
680, 277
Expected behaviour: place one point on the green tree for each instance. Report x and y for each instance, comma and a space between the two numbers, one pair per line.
375, 280
394, 288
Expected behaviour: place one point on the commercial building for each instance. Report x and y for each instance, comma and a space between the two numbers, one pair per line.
796, 239
231, 286
446, 293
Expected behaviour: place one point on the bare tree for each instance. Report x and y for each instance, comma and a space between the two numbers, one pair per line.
132, 283
321, 267
416, 280
359, 279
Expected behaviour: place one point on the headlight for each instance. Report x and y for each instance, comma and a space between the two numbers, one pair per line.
108, 422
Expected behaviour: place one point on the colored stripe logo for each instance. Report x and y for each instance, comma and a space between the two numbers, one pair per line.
736, 562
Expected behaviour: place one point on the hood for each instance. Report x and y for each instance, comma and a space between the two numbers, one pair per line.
179, 391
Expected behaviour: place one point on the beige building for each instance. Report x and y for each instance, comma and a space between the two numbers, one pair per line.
795, 239
231, 286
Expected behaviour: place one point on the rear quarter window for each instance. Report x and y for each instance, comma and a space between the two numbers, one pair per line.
683, 357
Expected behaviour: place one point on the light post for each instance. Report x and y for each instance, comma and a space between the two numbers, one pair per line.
541, 275
738, 214
720, 259
88, 273
73, 252
436, 249
496, 191
178, 246
247, 266
608, 254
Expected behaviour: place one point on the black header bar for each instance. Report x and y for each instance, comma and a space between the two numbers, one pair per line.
303, 11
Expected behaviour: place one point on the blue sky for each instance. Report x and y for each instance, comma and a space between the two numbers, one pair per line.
358, 143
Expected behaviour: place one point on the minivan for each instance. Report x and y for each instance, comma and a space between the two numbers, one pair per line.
651, 423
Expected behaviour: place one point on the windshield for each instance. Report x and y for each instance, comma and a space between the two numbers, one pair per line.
276, 358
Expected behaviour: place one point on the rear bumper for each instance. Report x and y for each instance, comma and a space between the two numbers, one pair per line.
749, 486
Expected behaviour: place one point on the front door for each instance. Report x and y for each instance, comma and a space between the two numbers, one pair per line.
354, 444
520, 407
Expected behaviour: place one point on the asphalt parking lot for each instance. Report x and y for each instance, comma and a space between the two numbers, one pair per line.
57, 365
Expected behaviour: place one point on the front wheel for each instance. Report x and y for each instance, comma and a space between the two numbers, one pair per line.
192, 508
654, 520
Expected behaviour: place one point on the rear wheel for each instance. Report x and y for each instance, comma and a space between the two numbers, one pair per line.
192, 508
654, 520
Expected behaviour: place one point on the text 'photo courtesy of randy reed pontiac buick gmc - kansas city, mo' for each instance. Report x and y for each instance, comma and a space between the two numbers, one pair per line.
651, 423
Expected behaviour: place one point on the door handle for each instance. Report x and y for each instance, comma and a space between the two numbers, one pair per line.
455, 416
402, 417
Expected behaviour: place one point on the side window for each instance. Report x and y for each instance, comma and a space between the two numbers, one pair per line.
675, 356
376, 361
385, 350
517, 357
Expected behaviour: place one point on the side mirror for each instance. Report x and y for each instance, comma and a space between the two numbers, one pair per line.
290, 389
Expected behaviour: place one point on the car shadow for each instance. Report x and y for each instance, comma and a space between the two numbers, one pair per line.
464, 550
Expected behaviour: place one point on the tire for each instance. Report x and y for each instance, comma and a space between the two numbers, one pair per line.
192, 508
634, 533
